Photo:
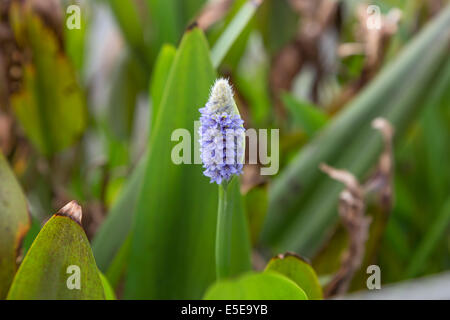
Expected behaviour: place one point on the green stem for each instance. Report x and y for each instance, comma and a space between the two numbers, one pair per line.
223, 234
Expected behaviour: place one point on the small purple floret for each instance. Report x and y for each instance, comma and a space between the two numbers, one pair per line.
221, 144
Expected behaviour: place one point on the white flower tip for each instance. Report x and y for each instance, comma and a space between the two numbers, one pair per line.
221, 95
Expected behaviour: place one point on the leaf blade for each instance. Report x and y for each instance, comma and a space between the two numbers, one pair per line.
256, 286
43, 272
298, 271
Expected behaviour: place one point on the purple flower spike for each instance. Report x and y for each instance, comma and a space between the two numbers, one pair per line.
222, 135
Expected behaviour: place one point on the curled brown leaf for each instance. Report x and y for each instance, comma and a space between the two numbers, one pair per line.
351, 211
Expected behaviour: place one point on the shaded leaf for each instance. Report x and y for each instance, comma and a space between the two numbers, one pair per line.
306, 116
14, 224
35, 227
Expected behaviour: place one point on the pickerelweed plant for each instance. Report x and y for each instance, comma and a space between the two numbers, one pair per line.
222, 146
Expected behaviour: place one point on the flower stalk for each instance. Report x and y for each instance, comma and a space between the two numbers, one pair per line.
223, 233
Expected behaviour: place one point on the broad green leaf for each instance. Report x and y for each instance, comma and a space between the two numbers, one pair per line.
58, 251
14, 224
109, 292
256, 286
299, 271
51, 98
159, 77
302, 204
117, 225
176, 213
306, 116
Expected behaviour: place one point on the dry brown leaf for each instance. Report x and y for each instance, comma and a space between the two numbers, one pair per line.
351, 211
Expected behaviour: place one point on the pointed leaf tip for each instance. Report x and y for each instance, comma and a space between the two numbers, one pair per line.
72, 210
